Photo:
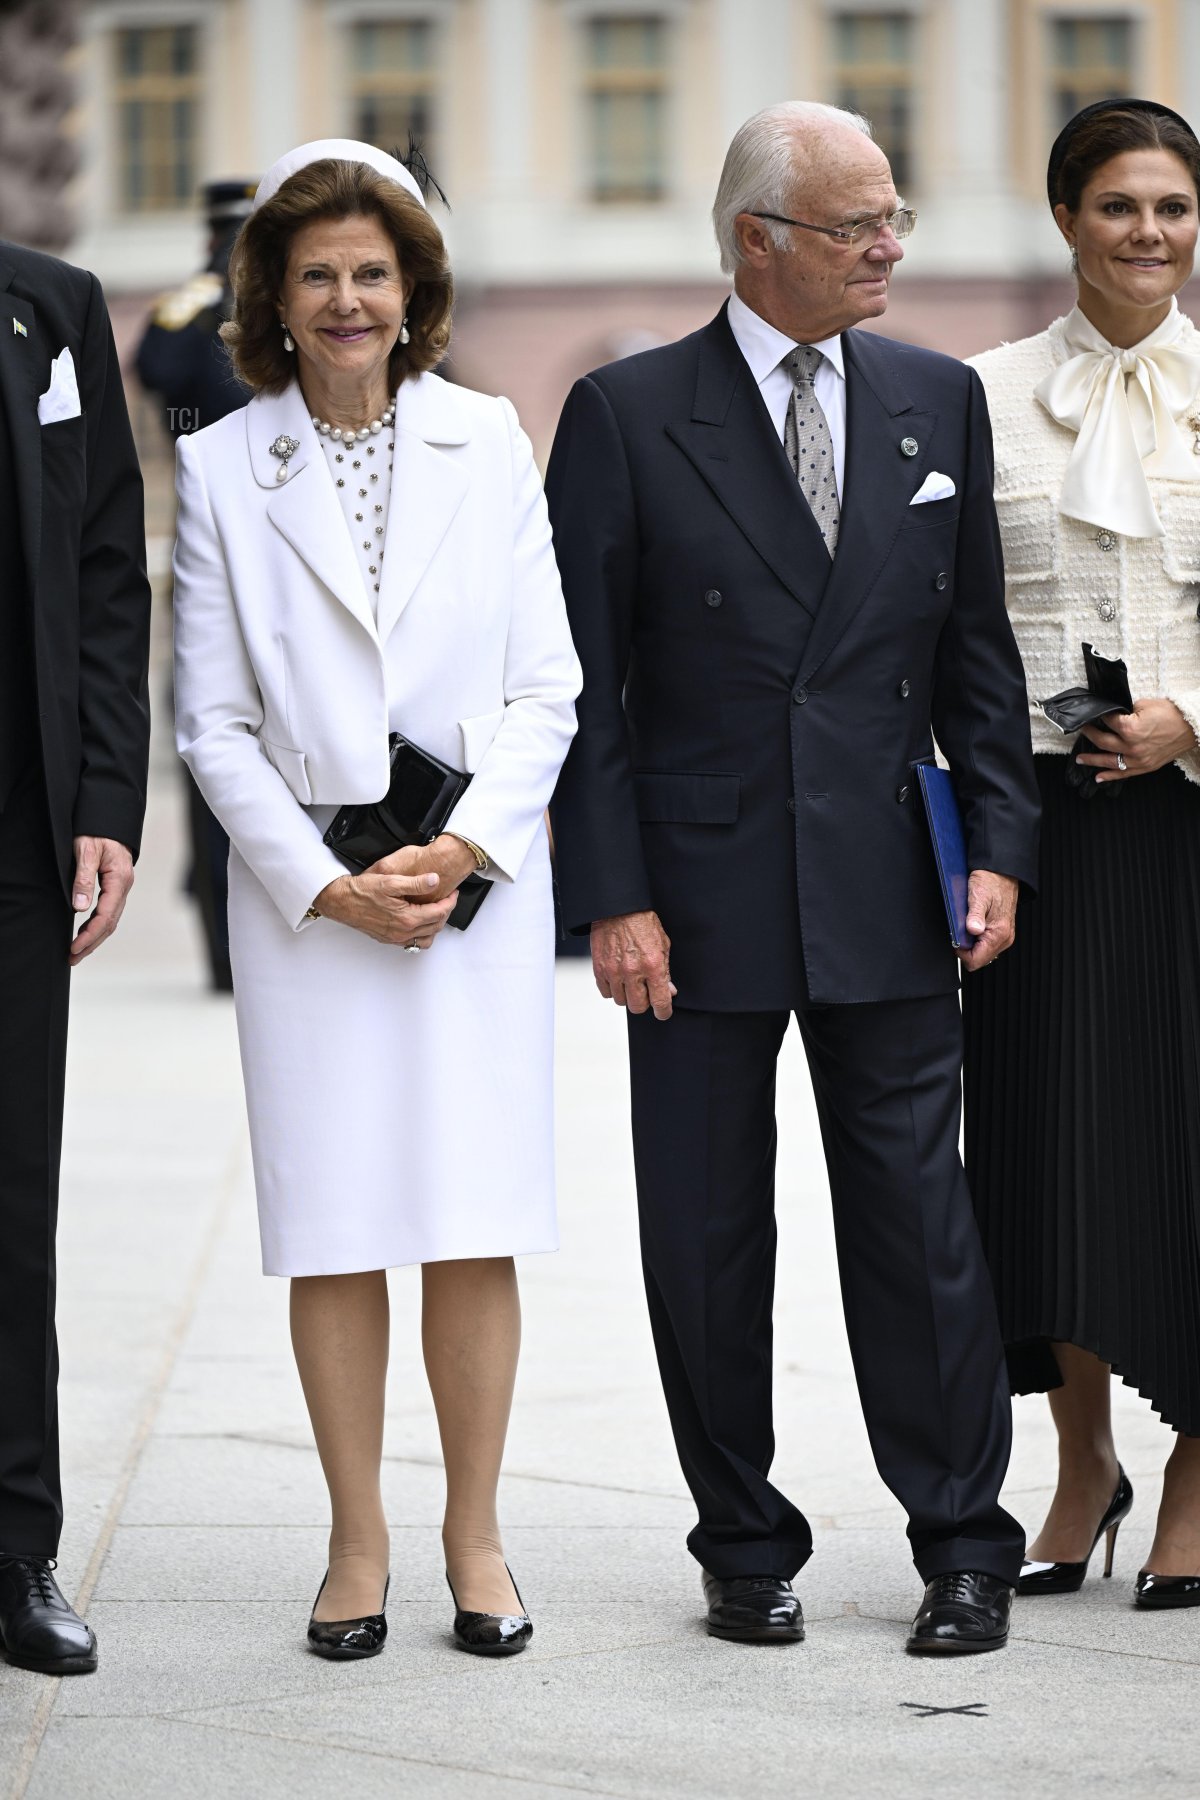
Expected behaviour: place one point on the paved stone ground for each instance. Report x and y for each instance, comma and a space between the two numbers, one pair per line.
196, 1511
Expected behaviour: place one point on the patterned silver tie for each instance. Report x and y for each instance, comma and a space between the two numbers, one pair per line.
809, 445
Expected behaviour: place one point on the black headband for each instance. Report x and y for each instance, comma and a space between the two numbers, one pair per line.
1062, 143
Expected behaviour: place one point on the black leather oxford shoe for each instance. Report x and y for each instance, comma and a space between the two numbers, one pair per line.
1157, 1592
962, 1613
38, 1630
753, 1609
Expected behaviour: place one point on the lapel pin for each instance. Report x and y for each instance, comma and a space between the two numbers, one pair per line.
19, 328
285, 448
909, 446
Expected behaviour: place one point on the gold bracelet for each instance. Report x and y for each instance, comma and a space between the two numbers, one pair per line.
481, 858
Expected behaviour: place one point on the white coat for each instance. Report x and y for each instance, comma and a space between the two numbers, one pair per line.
400, 1106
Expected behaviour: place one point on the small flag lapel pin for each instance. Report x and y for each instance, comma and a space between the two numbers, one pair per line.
19, 328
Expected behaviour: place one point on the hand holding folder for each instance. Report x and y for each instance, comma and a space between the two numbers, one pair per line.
993, 905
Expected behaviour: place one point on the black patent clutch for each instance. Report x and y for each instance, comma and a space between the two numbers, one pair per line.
1107, 691
422, 793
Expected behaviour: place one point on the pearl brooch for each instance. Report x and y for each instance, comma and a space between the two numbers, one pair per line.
285, 448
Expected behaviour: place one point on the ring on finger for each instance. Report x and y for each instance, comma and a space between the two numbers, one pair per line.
1121, 763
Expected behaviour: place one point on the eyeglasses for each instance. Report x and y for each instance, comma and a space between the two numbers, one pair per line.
865, 231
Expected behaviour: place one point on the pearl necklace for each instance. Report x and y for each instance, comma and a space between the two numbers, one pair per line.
355, 437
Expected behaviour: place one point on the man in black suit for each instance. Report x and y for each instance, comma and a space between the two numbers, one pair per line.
74, 736
783, 573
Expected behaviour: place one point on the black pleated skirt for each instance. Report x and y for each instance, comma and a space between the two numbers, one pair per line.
1082, 1094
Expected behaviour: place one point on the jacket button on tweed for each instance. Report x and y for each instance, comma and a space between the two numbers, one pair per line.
941, 581
901, 795
713, 597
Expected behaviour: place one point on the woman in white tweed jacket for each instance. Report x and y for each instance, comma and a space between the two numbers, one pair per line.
1082, 1079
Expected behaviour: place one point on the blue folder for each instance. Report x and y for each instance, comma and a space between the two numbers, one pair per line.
949, 848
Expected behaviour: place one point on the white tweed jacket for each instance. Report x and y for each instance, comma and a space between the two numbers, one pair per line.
1068, 583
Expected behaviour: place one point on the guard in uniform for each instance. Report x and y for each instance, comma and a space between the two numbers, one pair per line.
182, 360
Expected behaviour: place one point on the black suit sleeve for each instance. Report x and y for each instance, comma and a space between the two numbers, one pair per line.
980, 708
114, 603
598, 848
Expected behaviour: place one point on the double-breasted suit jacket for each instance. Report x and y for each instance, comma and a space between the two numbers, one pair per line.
753, 711
435, 1068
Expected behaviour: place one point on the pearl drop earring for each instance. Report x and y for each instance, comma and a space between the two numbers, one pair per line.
405, 336
288, 345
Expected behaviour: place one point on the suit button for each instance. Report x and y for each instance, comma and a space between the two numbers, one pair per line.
941, 581
905, 689
800, 696
791, 806
713, 597
901, 795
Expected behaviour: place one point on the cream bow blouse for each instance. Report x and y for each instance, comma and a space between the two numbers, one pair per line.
1123, 406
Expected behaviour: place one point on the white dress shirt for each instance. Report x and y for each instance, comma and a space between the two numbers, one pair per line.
764, 349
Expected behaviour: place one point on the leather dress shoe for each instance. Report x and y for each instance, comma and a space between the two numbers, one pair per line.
491, 1634
1158, 1592
346, 1640
962, 1613
38, 1629
753, 1609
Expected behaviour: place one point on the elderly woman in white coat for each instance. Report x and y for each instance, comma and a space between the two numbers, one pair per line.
364, 550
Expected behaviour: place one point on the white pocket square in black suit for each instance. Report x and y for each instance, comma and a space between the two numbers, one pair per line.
935, 486
61, 399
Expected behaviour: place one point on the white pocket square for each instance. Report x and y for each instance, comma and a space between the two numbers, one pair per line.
934, 487
61, 398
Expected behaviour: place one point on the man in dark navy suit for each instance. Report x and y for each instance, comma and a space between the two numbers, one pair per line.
74, 743
783, 572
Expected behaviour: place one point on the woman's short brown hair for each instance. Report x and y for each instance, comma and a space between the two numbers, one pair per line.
334, 190
1110, 129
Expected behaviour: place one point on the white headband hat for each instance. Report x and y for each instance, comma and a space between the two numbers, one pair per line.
337, 150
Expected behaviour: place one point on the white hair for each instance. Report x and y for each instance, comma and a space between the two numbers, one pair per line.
760, 169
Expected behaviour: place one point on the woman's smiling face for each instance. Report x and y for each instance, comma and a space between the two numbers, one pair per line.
344, 298
1135, 230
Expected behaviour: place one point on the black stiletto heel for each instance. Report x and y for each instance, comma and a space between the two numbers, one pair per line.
491, 1634
344, 1640
1068, 1577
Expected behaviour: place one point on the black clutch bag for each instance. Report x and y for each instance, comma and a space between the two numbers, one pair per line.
1107, 691
422, 793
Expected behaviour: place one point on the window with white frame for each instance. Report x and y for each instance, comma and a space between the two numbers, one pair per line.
1090, 59
394, 83
874, 73
157, 102
625, 75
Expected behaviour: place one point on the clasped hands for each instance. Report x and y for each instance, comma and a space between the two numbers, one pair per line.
405, 898
631, 954
1146, 739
